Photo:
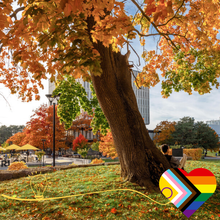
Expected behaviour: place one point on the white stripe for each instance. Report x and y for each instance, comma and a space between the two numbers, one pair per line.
174, 186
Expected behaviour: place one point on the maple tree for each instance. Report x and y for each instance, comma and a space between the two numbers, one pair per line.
40, 127
17, 138
83, 39
163, 132
107, 147
7, 132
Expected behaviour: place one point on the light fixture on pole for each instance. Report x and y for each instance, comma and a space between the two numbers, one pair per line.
43, 149
51, 100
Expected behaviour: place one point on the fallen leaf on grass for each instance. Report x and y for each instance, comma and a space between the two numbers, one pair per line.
113, 210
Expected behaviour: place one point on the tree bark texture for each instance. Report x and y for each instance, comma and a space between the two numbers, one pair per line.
140, 160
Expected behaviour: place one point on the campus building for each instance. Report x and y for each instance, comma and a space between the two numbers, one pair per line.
215, 125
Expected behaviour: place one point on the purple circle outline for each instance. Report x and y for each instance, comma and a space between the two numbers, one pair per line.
170, 190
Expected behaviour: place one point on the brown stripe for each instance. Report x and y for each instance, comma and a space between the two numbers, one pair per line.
185, 203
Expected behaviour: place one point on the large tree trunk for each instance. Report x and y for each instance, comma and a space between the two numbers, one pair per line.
140, 160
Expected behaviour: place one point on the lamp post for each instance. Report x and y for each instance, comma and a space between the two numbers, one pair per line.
51, 100
43, 149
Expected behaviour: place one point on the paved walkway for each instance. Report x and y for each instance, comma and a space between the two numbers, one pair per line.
58, 162
212, 158
66, 161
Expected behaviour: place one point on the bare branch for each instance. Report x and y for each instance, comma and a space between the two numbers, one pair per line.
173, 16
135, 79
139, 62
6, 100
161, 34
14, 14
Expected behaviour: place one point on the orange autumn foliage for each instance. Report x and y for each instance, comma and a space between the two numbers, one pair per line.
17, 138
97, 161
107, 146
163, 132
40, 127
17, 166
82, 121
34, 42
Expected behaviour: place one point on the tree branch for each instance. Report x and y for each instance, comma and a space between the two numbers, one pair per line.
161, 34
6, 100
155, 26
14, 14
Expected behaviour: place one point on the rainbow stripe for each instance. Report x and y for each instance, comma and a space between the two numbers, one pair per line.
187, 191
204, 180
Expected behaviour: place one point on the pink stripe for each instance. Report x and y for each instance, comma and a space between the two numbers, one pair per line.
179, 186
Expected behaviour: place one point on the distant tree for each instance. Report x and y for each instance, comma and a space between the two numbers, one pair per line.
95, 146
7, 132
4, 145
166, 128
185, 132
80, 145
82, 121
206, 137
40, 127
107, 146
17, 138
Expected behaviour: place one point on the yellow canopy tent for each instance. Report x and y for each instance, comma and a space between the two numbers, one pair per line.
28, 147
12, 147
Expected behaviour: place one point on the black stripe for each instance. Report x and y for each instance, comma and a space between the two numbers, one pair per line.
193, 187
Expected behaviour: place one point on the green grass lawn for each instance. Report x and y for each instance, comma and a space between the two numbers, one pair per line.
211, 154
110, 160
104, 205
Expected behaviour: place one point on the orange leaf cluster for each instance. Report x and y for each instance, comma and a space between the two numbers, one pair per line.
17, 166
107, 146
159, 10
40, 127
41, 42
165, 128
97, 161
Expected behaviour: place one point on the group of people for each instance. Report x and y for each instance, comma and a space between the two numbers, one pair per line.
174, 162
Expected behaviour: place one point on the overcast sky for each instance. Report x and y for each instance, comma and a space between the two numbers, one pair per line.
201, 107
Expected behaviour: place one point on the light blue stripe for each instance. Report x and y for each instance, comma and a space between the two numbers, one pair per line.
183, 186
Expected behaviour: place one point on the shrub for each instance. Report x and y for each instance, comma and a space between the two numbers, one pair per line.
17, 166
81, 146
40, 154
196, 153
97, 161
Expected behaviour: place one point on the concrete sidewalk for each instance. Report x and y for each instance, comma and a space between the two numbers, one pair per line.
59, 161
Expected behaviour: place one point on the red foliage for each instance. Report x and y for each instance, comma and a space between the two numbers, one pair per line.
40, 127
79, 142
